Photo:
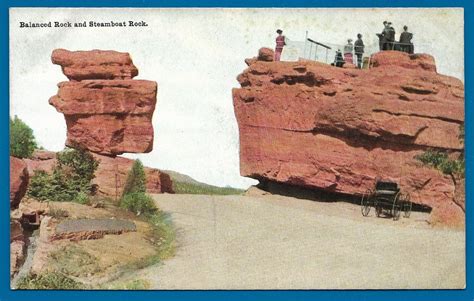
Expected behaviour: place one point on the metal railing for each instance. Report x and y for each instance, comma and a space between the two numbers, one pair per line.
312, 49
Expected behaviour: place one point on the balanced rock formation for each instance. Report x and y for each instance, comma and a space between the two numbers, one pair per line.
110, 175
95, 64
106, 111
18, 181
309, 124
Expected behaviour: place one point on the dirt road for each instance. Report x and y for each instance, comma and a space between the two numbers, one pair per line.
275, 242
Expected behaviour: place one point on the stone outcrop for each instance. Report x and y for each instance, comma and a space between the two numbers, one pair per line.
18, 181
111, 172
41, 160
106, 111
313, 125
95, 64
86, 229
17, 246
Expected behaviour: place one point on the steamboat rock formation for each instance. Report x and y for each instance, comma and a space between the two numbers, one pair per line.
106, 111
18, 181
111, 172
313, 125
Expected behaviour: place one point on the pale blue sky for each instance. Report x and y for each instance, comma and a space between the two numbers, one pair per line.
195, 56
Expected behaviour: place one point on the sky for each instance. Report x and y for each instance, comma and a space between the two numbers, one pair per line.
195, 56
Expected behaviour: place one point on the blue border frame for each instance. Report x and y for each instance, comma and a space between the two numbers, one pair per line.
7, 294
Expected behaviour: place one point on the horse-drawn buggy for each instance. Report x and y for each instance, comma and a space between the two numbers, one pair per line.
387, 199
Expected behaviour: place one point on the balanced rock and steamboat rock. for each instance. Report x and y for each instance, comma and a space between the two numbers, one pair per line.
312, 125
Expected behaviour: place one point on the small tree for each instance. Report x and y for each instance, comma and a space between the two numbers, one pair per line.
136, 179
22, 140
70, 180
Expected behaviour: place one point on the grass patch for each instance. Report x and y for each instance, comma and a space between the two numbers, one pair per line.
162, 237
138, 284
58, 213
49, 281
192, 188
72, 260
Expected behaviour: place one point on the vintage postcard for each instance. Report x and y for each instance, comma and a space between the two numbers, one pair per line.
237, 148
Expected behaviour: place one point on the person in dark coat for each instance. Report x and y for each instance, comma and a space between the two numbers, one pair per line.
338, 59
382, 39
389, 36
405, 41
359, 50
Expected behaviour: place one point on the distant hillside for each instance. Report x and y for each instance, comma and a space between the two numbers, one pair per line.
184, 184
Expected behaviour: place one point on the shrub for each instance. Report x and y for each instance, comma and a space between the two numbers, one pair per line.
49, 281
69, 181
136, 180
81, 163
22, 140
138, 203
441, 161
82, 198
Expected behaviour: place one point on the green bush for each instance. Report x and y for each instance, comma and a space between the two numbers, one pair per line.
136, 180
70, 180
82, 198
441, 161
138, 203
22, 140
49, 281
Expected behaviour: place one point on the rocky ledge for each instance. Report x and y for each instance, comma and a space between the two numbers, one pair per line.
313, 125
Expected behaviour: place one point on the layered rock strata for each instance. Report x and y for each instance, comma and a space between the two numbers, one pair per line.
106, 111
313, 125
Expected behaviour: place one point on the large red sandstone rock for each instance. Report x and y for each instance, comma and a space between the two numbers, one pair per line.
112, 171
18, 181
94, 64
313, 125
108, 116
106, 111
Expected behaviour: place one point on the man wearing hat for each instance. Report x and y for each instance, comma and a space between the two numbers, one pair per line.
390, 36
280, 42
382, 38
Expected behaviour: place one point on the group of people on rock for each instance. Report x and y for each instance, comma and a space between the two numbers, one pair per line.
386, 42
387, 39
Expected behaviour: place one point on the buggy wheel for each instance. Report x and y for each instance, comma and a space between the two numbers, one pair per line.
378, 208
407, 205
396, 206
365, 202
